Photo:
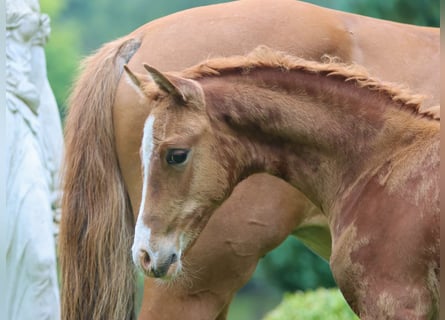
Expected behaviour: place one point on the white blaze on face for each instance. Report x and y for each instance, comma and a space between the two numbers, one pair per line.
142, 232
147, 151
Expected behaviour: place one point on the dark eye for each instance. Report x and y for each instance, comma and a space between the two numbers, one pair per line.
176, 156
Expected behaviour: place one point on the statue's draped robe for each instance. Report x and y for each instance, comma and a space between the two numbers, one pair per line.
34, 147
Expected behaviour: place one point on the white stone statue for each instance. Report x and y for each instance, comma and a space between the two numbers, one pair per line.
34, 149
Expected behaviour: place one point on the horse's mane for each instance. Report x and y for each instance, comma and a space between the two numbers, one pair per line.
265, 57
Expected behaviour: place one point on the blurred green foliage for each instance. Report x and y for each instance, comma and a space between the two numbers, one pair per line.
63, 51
293, 267
321, 304
62, 61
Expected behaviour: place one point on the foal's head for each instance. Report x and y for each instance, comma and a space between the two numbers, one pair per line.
183, 179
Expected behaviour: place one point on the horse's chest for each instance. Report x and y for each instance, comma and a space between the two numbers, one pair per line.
384, 247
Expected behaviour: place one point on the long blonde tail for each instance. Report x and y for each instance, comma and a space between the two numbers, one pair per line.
96, 229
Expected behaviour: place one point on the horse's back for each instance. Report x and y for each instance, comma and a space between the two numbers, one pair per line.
393, 51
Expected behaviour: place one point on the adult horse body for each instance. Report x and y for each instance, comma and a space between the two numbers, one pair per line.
103, 132
359, 149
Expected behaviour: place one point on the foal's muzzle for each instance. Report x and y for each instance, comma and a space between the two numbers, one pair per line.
159, 265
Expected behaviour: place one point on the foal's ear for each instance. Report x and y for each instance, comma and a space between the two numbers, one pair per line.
136, 79
165, 84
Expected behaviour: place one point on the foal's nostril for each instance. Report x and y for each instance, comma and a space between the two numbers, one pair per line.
145, 260
173, 258
163, 265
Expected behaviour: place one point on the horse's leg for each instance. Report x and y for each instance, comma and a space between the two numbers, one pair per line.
180, 302
226, 254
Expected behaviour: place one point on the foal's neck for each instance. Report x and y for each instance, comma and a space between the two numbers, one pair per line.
319, 133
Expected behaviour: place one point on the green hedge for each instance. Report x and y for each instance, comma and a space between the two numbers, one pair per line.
320, 304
